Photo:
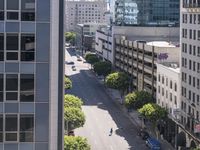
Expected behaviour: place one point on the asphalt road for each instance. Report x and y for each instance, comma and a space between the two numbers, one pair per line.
101, 112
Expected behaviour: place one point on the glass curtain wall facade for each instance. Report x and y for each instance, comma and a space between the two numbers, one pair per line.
147, 12
25, 71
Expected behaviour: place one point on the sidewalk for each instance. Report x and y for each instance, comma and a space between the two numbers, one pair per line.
133, 116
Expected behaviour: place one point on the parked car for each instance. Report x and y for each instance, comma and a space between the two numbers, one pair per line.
144, 134
70, 63
71, 133
79, 59
153, 144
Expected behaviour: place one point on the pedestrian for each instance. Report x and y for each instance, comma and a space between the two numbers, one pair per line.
111, 131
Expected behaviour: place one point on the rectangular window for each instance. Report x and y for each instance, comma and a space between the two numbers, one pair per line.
198, 35
28, 10
11, 82
11, 128
1, 87
27, 47
194, 34
27, 88
26, 128
1, 15
12, 42
12, 15
1, 128
1, 47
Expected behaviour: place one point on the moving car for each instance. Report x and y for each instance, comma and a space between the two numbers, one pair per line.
153, 144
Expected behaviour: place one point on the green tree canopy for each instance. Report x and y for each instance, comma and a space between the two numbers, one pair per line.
72, 101
102, 68
75, 143
137, 99
153, 112
118, 80
91, 58
68, 83
70, 37
74, 117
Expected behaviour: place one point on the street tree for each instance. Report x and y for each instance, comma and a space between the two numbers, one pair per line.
91, 58
70, 37
68, 83
102, 68
153, 112
137, 99
72, 101
76, 143
118, 80
74, 118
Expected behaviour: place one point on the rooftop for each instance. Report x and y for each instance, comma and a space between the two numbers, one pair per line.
161, 44
174, 66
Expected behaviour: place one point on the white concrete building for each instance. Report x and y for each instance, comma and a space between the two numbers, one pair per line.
103, 46
190, 70
168, 87
84, 11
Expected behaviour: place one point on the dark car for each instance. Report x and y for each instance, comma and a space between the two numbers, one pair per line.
70, 63
153, 144
71, 133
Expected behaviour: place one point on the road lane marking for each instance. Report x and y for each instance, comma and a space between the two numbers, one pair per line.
111, 147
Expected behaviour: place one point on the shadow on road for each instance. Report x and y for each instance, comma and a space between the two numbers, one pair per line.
87, 87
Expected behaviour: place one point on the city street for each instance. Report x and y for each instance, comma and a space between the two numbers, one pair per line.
101, 112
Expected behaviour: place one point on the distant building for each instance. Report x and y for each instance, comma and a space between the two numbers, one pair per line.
85, 35
146, 12
84, 11
190, 71
103, 46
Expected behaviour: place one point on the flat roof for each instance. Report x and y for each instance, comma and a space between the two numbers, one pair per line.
160, 44
174, 66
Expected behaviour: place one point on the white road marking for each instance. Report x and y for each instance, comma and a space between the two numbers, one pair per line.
111, 147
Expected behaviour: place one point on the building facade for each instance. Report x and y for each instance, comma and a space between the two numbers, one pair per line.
84, 11
147, 12
139, 58
103, 45
85, 35
190, 70
31, 74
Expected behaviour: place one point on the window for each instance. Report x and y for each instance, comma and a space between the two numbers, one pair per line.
1, 128
26, 128
27, 88
198, 35
170, 96
175, 100
27, 47
175, 87
1, 9
1, 47
194, 34
27, 10
12, 15
11, 87
170, 84
163, 92
11, 128
12, 42
163, 79
1, 87
12, 46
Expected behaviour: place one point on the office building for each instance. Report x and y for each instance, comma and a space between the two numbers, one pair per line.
103, 44
31, 74
139, 58
146, 12
85, 35
84, 11
190, 71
